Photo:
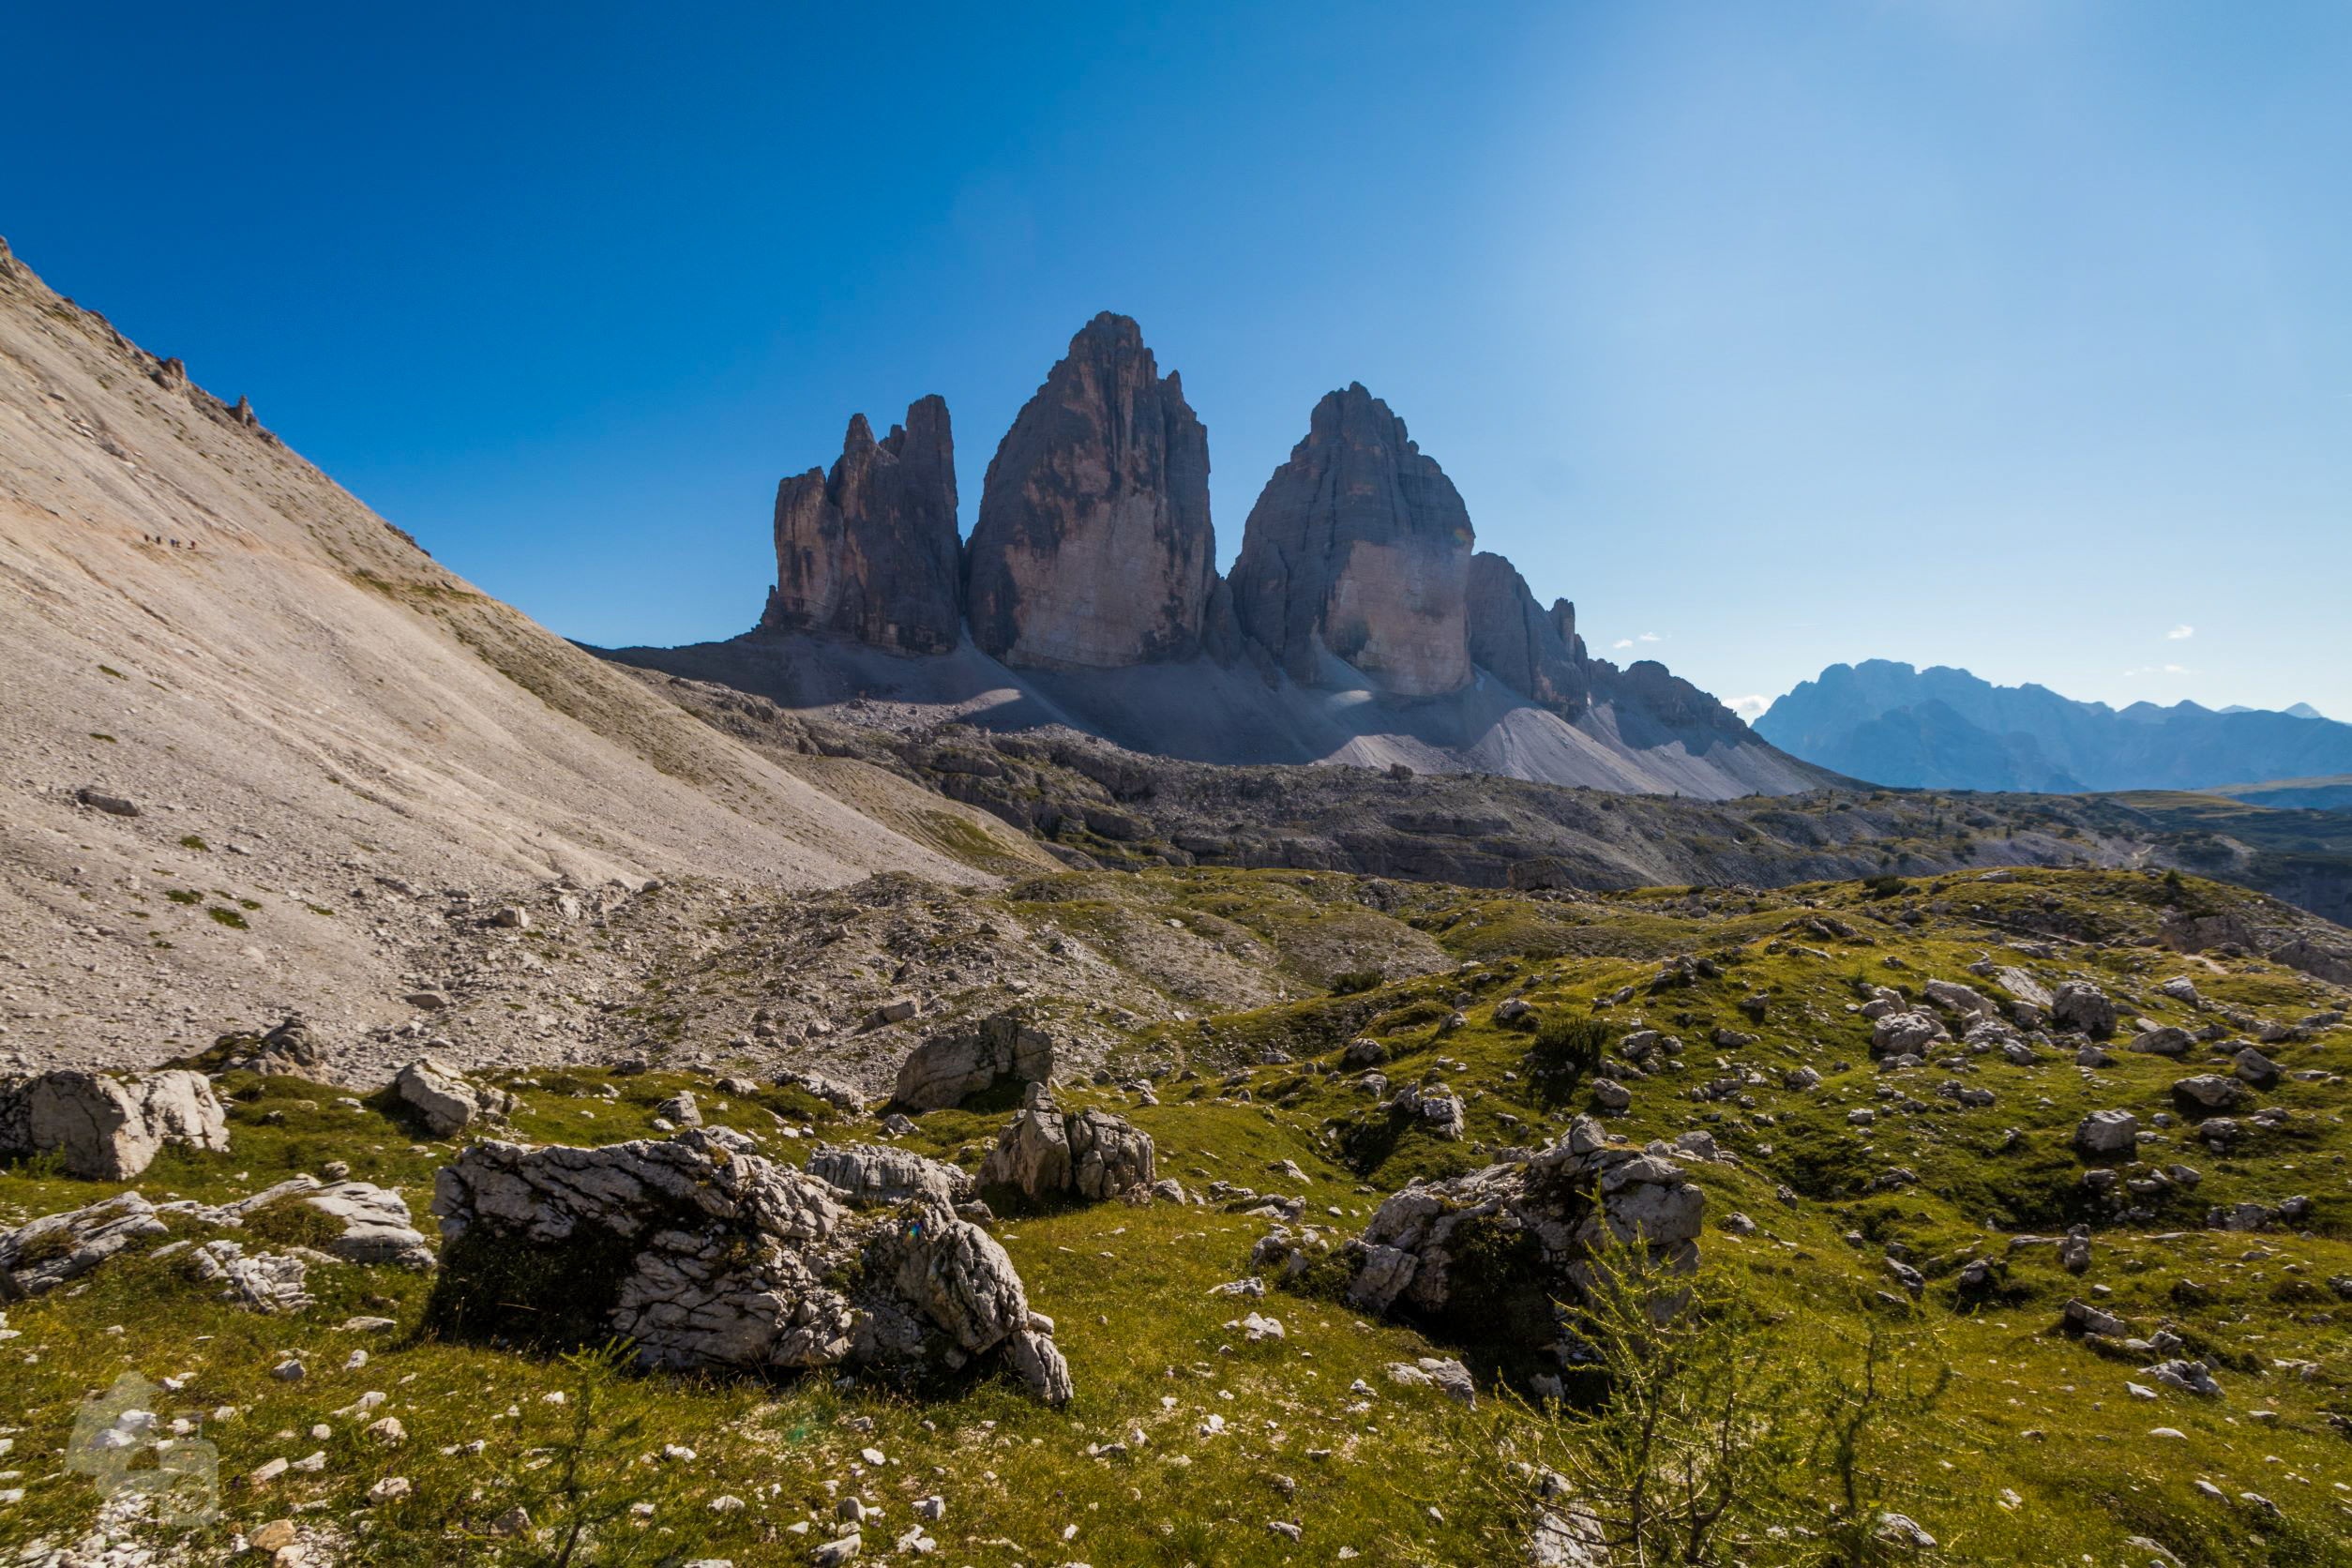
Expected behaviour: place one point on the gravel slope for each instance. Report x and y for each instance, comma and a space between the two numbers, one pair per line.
298, 701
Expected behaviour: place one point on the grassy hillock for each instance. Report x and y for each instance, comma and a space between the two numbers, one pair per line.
2013, 1441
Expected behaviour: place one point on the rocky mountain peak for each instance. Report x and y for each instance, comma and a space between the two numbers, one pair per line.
871, 550
1094, 547
1359, 550
1532, 651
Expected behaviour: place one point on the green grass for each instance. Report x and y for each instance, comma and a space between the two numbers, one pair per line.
2037, 1454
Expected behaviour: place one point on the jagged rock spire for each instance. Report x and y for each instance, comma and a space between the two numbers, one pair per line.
1094, 547
1359, 550
869, 550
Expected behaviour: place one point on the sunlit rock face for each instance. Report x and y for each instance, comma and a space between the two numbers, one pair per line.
1094, 548
1359, 548
869, 551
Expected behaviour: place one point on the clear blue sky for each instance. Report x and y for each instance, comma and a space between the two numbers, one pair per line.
2011, 336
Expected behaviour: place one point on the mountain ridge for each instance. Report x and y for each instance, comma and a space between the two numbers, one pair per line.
1945, 727
1358, 623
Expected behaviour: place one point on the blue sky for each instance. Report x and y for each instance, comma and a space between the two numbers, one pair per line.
1957, 331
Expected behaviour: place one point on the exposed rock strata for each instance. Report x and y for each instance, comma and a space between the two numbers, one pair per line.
1094, 547
871, 550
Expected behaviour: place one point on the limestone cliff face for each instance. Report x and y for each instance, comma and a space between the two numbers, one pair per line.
1092, 547
869, 551
1534, 651
1359, 548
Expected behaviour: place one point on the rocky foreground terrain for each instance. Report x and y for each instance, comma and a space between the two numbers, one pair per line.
2051, 1160
466, 1100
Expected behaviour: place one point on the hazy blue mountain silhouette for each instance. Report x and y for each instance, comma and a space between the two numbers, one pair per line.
1943, 728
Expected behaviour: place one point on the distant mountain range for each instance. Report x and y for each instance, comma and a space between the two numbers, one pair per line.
1941, 727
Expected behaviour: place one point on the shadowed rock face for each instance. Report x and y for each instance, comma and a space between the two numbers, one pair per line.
1358, 546
1532, 651
1093, 547
869, 551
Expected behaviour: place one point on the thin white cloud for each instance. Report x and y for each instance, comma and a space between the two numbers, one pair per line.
2161, 669
2181, 633
1652, 636
1622, 642
1750, 708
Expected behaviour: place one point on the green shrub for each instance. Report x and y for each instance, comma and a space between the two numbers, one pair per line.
1566, 1051
290, 1222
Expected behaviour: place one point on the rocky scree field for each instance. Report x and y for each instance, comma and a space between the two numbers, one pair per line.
2109, 1284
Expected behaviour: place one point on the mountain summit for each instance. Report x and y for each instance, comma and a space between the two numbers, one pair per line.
1358, 624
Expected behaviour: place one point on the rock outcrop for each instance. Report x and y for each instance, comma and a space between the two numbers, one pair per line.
372, 1226
443, 1100
41, 1256
706, 1254
1533, 651
105, 1128
265, 1282
1048, 1155
877, 1174
288, 1047
870, 551
1094, 547
2079, 1004
947, 1069
1446, 1252
1358, 549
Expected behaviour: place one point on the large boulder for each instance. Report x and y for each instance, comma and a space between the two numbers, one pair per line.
2105, 1133
705, 1254
1092, 547
1967, 1001
1909, 1032
1432, 1251
2024, 987
2080, 1005
2168, 1041
2253, 1067
1045, 1155
109, 1128
444, 1100
286, 1047
2208, 1094
950, 1067
1435, 1109
871, 552
1359, 550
